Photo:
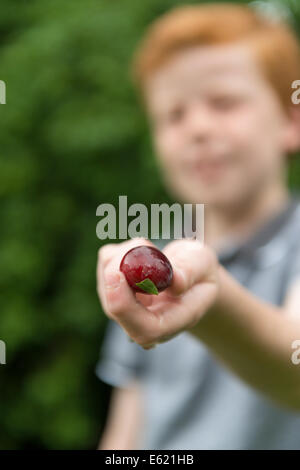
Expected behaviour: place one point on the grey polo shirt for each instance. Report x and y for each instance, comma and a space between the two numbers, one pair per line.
190, 400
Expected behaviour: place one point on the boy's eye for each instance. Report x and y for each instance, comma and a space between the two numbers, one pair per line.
224, 102
175, 115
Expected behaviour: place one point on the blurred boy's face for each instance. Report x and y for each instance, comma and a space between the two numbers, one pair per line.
219, 131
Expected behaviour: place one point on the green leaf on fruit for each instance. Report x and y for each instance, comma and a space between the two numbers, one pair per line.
148, 286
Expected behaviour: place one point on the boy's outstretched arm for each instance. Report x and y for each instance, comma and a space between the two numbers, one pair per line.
255, 339
251, 337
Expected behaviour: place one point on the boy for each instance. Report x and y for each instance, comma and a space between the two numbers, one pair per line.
210, 366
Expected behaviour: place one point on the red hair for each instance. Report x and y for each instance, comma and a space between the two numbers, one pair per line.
275, 44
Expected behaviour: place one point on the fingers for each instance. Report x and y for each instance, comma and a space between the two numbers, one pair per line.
112, 254
192, 263
118, 299
144, 299
139, 323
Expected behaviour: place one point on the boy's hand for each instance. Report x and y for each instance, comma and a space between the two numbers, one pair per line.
151, 319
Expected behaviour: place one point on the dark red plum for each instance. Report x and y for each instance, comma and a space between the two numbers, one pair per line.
147, 269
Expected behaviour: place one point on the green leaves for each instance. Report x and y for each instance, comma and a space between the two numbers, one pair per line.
148, 286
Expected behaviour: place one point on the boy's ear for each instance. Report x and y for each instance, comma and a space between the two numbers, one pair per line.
292, 132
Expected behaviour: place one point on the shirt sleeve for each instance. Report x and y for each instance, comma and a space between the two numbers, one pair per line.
120, 361
293, 274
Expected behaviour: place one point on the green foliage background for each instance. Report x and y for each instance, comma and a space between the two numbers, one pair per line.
72, 136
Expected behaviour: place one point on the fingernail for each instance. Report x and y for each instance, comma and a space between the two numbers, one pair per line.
111, 280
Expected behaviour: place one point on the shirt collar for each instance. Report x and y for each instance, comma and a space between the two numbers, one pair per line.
268, 243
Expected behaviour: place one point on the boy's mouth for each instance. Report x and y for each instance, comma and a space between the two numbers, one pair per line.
208, 170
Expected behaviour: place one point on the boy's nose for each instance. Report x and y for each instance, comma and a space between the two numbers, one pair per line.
199, 122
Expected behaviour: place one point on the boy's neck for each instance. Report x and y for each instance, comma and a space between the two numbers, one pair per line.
223, 225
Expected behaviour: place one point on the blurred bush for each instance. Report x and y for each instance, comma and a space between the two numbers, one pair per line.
72, 136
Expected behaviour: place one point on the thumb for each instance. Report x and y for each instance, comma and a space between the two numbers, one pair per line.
192, 262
